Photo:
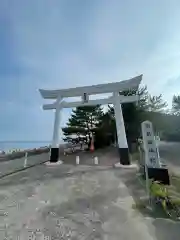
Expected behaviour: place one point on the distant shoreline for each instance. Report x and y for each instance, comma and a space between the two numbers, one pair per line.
62, 146
10, 146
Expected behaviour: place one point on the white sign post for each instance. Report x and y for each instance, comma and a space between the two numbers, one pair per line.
151, 155
25, 160
150, 148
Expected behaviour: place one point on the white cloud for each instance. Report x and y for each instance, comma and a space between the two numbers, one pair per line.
57, 46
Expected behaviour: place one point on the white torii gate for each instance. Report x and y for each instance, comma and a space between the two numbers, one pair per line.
84, 93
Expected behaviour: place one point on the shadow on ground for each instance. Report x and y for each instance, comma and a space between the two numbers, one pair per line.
141, 202
164, 227
43, 174
85, 215
40, 173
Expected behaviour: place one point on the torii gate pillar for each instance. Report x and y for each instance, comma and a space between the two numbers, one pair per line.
120, 128
84, 92
55, 141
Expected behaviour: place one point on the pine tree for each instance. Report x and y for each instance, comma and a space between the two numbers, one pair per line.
156, 104
176, 105
82, 123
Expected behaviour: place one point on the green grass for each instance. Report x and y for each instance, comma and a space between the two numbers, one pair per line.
157, 190
174, 188
176, 201
139, 194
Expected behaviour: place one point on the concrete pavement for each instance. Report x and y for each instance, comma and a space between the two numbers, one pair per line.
68, 202
17, 164
77, 202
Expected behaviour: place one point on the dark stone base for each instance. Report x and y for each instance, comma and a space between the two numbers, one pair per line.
54, 155
158, 174
124, 156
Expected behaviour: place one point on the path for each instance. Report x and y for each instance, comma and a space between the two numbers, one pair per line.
84, 202
77, 202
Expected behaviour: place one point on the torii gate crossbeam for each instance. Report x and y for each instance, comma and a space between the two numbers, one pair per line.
116, 99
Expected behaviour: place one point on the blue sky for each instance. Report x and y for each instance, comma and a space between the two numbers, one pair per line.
63, 43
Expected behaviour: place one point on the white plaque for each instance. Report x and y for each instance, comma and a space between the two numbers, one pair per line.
85, 98
151, 154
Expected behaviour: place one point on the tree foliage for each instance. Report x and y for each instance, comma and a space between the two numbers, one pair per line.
87, 119
157, 104
176, 105
82, 122
149, 102
172, 132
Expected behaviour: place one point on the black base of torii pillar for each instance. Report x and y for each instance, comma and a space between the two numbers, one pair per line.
124, 156
54, 156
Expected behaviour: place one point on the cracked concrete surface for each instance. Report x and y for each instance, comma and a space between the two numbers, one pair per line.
73, 202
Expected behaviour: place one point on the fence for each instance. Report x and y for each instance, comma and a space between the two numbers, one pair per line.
23, 156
